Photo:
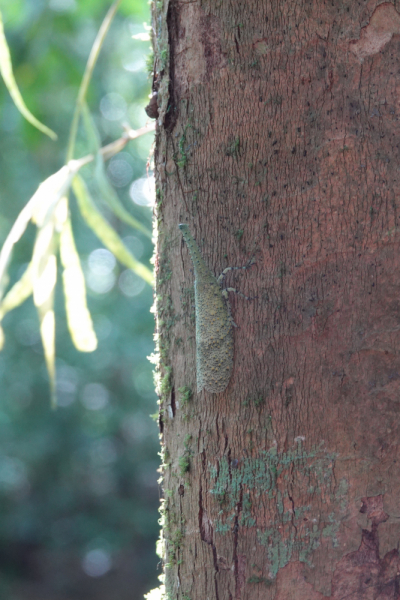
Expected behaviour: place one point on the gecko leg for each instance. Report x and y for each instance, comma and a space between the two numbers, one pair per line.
225, 271
228, 306
239, 293
224, 292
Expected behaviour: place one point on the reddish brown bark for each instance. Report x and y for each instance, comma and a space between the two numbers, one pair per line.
280, 136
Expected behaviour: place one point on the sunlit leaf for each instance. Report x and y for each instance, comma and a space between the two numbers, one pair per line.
48, 334
8, 77
38, 276
105, 232
79, 320
50, 191
15, 234
44, 283
39, 209
20, 291
44, 266
61, 214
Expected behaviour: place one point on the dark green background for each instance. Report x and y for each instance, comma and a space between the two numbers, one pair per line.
78, 486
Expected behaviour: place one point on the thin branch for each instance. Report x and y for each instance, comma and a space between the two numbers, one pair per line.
110, 150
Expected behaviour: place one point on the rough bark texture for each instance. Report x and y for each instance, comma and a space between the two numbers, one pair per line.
278, 134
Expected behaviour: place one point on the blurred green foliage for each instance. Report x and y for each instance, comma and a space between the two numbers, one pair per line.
78, 486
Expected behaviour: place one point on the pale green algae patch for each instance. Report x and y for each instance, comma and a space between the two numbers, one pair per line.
295, 490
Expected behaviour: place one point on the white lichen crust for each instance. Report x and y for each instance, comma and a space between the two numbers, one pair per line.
214, 335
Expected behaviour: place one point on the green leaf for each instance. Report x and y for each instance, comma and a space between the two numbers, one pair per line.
44, 282
111, 199
8, 77
48, 335
87, 76
103, 186
39, 209
43, 296
79, 320
105, 232
15, 234
20, 291
39, 277
44, 275
51, 190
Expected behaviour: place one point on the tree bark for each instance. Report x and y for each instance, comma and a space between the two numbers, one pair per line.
278, 137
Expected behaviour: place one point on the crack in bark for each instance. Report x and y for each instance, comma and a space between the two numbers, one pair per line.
171, 114
216, 570
173, 403
206, 534
235, 545
292, 501
293, 514
363, 569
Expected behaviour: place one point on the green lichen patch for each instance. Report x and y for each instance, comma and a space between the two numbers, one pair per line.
233, 147
184, 464
166, 385
186, 395
181, 158
187, 441
288, 483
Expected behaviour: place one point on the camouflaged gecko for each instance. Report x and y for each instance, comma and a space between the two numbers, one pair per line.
214, 335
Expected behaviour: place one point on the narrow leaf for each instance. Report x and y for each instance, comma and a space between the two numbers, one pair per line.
105, 232
48, 334
92, 133
110, 197
79, 320
8, 77
44, 247
50, 191
103, 186
20, 291
40, 209
45, 281
15, 234
87, 76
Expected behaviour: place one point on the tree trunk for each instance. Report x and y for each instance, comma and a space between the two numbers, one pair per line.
278, 136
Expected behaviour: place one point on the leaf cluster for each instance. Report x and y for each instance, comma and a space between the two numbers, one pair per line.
49, 210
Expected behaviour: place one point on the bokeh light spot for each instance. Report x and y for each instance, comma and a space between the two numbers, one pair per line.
113, 107
95, 396
130, 284
142, 191
101, 278
120, 170
97, 562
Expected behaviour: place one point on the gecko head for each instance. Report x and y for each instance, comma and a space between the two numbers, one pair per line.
183, 226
